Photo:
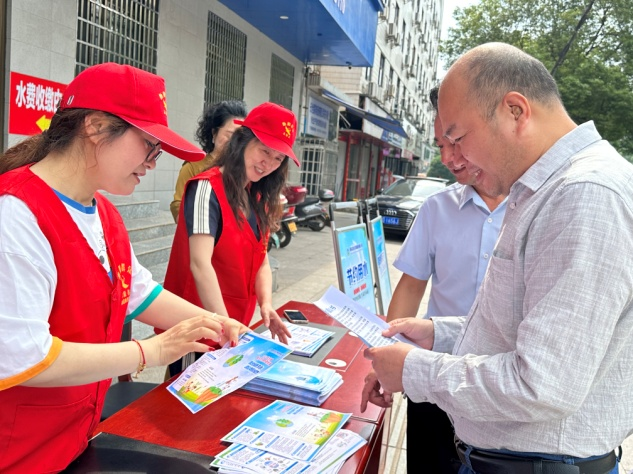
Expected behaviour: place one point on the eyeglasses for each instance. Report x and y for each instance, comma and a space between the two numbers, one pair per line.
153, 154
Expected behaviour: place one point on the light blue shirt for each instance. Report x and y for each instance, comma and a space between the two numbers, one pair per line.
451, 242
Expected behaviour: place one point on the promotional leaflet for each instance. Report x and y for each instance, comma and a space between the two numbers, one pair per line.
221, 372
356, 318
305, 340
328, 459
299, 382
290, 430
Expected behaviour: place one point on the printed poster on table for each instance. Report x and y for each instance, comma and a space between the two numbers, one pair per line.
328, 459
290, 430
221, 372
354, 265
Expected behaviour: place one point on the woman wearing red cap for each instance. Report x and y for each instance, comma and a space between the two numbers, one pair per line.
69, 276
219, 259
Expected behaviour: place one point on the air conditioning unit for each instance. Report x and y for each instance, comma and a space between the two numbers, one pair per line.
390, 91
371, 89
384, 15
392, 31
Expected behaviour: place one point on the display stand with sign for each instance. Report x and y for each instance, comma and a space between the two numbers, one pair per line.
361, 258
378, 253
353, 262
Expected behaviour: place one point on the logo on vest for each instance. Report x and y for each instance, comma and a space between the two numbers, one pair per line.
124, 275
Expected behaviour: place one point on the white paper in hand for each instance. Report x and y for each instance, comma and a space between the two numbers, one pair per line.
357, 319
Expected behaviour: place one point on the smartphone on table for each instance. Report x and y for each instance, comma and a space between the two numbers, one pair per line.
295, 316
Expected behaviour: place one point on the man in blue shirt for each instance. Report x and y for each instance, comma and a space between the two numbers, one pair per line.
451, 242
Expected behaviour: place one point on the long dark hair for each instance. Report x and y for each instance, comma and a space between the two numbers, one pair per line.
66, 126
263, 195
214, 117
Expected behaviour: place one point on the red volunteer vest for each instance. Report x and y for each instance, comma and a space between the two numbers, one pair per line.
237, 257
44, 429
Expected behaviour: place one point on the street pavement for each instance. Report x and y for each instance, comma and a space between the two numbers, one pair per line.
306, 269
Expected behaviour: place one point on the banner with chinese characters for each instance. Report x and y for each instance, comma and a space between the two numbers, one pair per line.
33, 102
352, 253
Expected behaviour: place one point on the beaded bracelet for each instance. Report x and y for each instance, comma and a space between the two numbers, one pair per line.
141, 364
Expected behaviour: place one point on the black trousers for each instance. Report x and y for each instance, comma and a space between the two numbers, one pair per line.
430, 440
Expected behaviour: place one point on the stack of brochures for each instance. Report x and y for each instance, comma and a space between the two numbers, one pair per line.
305, 340
295, 381
286, 438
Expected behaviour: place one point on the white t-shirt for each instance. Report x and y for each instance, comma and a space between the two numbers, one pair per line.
28, 279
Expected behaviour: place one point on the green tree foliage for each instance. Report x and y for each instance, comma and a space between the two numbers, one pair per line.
438, 170
589, 41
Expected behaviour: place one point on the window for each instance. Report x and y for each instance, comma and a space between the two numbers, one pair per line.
396, 19
226, 61
282, 81
404, 35
368, 73
120, 31
381, 71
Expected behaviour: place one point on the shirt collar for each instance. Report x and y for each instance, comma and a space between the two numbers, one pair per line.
467, 193
559, 154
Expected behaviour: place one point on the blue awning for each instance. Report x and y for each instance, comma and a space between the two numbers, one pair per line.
327, 32
386, 123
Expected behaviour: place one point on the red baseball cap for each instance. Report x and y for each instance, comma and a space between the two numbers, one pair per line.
134, 95
274, 126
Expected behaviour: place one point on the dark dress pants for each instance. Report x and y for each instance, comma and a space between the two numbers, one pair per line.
430, 440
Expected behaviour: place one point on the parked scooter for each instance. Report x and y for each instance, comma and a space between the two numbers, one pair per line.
287, 226
312, 212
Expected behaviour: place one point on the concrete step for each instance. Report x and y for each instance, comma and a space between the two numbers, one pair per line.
153, 251
158, 272
131, 207
145, 228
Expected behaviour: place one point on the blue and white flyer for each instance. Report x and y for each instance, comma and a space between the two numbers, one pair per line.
225, 370
329, 458
290, 430
305, 340
365, 324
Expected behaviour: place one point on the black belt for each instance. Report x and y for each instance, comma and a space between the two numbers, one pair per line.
483, 462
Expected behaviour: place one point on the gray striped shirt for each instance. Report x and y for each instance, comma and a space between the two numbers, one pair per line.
544, 360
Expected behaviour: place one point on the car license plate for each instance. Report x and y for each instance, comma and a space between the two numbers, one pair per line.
390, 220
292, 226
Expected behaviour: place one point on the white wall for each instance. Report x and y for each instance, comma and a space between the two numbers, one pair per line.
42, 38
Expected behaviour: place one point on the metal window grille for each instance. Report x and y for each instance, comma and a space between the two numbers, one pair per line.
226, 61
282, 81
318, 164
120, 31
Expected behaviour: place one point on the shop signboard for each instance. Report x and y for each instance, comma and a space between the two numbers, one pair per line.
33, 102
319, 114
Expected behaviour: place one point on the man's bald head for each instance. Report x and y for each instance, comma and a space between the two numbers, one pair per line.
494, 69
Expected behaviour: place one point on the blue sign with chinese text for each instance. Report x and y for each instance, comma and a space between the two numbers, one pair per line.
353, 253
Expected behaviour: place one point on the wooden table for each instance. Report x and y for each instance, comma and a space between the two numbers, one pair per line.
160, 418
